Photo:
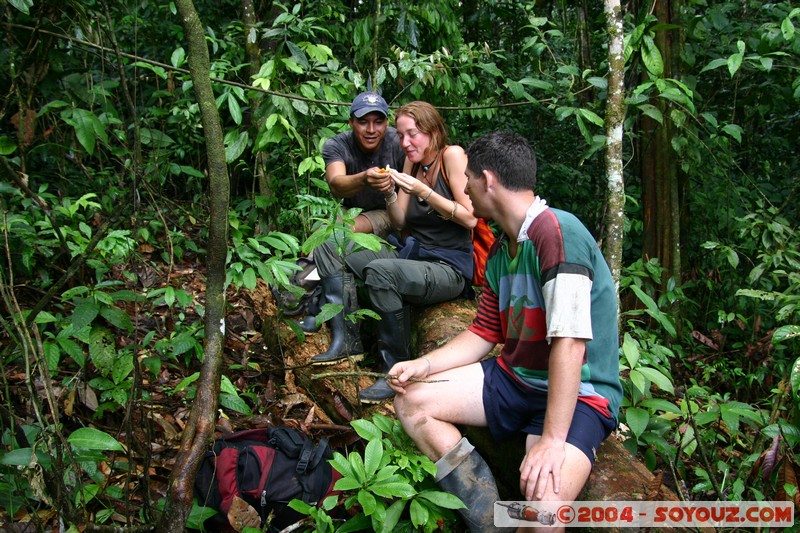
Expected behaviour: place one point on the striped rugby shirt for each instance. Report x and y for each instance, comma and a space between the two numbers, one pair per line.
558, 285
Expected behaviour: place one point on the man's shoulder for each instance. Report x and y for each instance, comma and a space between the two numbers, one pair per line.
342, 138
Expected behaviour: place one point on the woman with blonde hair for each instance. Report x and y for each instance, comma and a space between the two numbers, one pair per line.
432, 263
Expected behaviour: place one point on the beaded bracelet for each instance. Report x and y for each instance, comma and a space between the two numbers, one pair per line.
392, 198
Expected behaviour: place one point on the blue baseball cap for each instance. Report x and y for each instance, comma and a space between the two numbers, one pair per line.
368, 102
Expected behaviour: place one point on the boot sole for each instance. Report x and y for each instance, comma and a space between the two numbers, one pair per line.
372, 402
354, 358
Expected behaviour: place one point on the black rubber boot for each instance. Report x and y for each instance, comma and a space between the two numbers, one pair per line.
345, 337
309, 324
463, 472
394, 336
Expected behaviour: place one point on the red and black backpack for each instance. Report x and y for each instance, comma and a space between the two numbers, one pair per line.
267, 468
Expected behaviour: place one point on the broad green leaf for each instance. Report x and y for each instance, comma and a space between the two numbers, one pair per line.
651, 56
235, 147
7, 145
734, 130
346, 483
630, 348
442, 499
393, 514
661, 381
795, 376
86, 310
122, 367
419, 513
367, 502
373, 453
178, 57
366, 429
18, 457
395, 489
117, 318
22, 5
249, 279
637, 419
658, 404
94, 439
342, 465
639, 381
234, 402
734, 63
235, 110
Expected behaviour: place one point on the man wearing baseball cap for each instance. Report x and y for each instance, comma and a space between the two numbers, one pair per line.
353, 159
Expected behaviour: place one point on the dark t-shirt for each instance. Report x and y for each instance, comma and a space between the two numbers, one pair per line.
343, 147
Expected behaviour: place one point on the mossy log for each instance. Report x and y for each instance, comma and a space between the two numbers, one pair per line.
617, 474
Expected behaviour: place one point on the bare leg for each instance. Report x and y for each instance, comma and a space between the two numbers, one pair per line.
574, 473
429, 412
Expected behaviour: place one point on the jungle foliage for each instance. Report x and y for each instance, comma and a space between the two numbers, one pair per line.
103, 197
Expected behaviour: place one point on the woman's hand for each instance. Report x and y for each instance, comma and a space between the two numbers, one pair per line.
409, 184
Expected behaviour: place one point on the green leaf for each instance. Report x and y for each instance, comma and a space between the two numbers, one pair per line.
121, 368
630, 348
795, 376
22, 5
734, 63
84, 313
651, 56
658, 404
94, 439
347, 483
661, 381
234, 402
734, 130
249, 279
637, 419
393, 489
419, 513
367, 502
442, 499
342, 465
117, 318
366, 429
7, 145
392, 518
373, 453
639, 381
18, 457
235, 145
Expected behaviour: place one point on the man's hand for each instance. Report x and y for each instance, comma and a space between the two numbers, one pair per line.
405, 370
540, 467
380, 180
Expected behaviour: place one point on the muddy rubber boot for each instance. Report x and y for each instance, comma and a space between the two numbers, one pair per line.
463, 472
394, 335
345, 337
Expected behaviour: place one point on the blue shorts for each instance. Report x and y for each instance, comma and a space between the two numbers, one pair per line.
512, 408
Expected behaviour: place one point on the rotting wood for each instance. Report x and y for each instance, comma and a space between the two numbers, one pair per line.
617, 474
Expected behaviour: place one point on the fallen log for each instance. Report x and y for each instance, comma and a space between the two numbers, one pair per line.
617, 475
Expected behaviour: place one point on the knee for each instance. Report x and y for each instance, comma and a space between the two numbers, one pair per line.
377, 274
409, 406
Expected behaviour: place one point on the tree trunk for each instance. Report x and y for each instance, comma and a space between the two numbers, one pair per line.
198, 432
615, 116
661, 184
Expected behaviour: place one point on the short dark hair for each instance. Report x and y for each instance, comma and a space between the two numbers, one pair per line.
508, 155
